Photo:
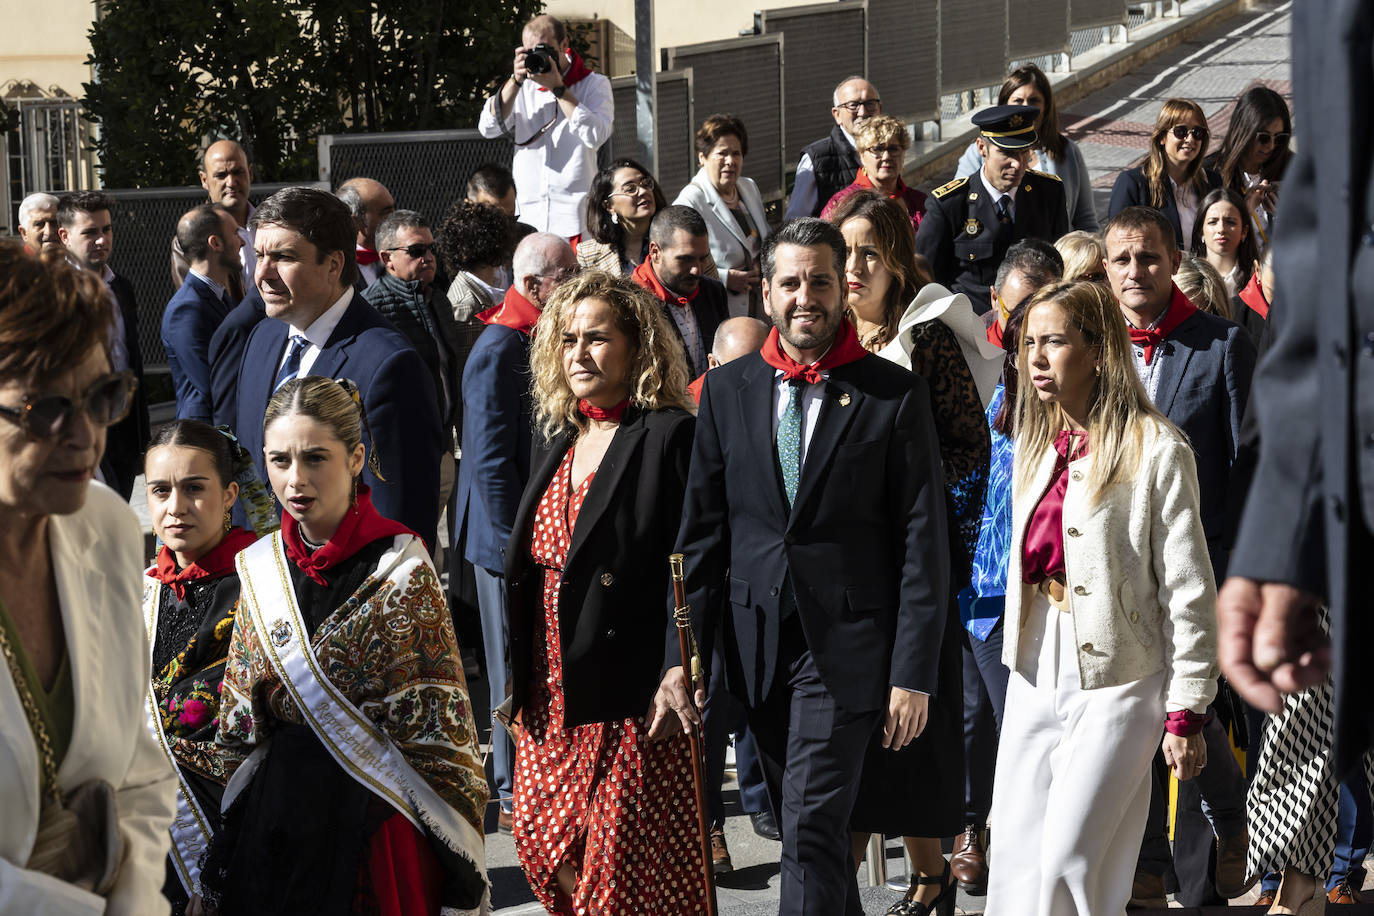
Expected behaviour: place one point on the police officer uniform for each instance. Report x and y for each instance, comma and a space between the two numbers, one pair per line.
967, 227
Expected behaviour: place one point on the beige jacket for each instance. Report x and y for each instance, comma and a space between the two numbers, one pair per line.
1138, 578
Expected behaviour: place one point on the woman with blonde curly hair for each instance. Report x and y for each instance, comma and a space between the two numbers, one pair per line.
1110, 631
882, 143
1084, 255
605, 816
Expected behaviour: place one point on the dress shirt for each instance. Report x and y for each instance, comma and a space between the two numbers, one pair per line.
996, 195
247, 257
219, 291
686, 321
370, 272
1149, 372
813, 396
554, 173
119, 349
803, 200
319, 332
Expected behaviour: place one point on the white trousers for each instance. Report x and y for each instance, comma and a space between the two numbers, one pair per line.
1072, 790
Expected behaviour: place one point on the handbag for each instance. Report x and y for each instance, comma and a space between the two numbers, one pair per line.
78, 839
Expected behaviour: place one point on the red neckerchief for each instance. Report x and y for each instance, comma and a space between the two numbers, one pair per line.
215, 564
1253, 296
995, 334
361, 525
844, 349
1179, 311
864, 181
592, 412
644, 275
694, 387
515, 311
365, 256
577, 70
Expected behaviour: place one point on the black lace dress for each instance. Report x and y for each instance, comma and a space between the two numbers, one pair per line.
919, 791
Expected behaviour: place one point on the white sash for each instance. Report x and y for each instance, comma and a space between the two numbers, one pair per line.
954, 309
191, 831
365, 752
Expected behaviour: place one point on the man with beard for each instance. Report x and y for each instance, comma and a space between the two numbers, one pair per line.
816, 498
209, 238
679, 250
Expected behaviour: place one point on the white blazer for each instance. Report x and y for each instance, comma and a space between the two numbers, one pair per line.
729, 248
97, 562
984, 358
1138, 577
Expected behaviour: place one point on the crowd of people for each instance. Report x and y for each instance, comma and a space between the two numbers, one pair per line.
955, 478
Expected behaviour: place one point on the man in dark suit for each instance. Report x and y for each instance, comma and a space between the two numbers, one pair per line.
305, 272
226, 356
1196, 368
695, 305
1308, 527
208, 237
86, 229
971, 222
496, 461
816, 485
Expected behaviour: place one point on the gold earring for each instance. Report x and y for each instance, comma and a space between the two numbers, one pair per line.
228, 521
353, 500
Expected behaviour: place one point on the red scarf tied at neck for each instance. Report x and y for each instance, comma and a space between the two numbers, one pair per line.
592, 412
366, 256
845, 348
1179, 311
577, 70
219, 562
361, 525
515, 311
644, 275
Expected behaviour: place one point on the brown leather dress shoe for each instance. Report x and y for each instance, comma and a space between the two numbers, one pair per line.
1265, 899
1147, 892
1344, 893
969, 863
720, 853
505, 821
1230, 876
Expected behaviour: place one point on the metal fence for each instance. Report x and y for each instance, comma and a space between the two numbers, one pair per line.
145, 220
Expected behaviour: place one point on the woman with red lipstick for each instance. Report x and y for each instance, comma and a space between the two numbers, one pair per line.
605, 811
917, 792
1110, 630
189, 598
86, 794
1222, 235
356, 782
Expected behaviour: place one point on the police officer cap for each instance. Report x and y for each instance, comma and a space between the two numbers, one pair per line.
1008, 126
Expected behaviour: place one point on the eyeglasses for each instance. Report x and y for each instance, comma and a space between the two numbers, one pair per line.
631, 188
416, 251
1183, 132
564, 274
1264, 138
878, 152
859, 105
106, 403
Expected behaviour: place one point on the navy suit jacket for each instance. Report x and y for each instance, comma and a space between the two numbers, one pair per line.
226, 356
1132, 190
188, 324
496, 443
402, 410
864, 548
1204, 384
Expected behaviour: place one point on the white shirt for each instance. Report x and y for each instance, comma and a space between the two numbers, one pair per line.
370, 272
804, 194
996, 195
1187, 203
119, 349
217, 289
318, 334
247, 257
813, 396
554, 173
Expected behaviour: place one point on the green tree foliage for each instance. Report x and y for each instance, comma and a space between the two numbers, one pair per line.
274, 74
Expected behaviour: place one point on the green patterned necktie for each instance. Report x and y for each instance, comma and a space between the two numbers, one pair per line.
789, 440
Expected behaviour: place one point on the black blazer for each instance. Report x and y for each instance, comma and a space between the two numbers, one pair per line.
1204, 384
1133, 190
126, 440
865, 547
616, 594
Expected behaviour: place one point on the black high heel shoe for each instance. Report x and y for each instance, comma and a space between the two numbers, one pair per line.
942, 905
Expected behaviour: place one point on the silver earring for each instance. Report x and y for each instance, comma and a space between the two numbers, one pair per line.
615, 218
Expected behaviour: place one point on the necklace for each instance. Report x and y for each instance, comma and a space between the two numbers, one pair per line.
309, 543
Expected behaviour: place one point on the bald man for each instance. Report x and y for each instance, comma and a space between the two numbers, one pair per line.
735, 337
832, 162
370, 202
228, 178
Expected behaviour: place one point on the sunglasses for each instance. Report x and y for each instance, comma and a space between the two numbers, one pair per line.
416, 251
1264, 138
1182, 132
106, 403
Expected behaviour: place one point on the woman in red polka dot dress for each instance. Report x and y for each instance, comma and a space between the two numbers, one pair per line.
605, 817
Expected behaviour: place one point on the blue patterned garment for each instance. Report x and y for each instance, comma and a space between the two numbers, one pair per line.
981, 613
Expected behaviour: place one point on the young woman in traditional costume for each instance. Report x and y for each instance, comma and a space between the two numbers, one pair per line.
363, 789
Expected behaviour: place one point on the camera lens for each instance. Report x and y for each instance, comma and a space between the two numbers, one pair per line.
537, 61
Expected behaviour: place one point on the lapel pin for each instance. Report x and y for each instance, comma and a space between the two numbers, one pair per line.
844, 399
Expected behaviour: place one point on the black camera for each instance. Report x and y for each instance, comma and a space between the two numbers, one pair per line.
540, 58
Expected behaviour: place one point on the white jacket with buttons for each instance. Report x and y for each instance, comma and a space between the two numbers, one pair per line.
1138, 578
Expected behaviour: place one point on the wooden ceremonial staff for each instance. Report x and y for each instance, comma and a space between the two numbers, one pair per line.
691, 665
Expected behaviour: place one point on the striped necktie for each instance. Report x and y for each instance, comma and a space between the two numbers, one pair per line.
292, 366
